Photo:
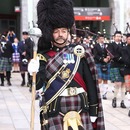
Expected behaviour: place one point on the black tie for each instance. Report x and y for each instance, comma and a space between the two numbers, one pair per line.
102, 46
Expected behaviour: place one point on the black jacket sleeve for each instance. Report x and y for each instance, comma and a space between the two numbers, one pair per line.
91, 89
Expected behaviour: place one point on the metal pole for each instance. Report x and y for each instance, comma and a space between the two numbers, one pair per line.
35, 34
30, 13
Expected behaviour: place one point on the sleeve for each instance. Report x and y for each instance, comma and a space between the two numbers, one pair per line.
41, 75
115, 51
91, 89
97, 57
126, 56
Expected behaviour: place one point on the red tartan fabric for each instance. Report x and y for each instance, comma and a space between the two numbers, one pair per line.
80, 81
100, 120
51, 53
70, 104
56, 62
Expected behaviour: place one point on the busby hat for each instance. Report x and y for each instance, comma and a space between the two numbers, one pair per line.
54, 14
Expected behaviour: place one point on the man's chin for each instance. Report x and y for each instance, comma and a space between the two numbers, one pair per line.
60, 42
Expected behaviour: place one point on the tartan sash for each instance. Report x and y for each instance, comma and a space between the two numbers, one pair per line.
56, 85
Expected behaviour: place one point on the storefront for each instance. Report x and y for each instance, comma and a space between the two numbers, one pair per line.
93, 15
10, 16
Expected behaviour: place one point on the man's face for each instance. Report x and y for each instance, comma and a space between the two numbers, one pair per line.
128, 40
118, 37
25, 37
60, 36
101, 39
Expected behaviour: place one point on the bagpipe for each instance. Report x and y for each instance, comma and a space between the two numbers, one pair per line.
127, 30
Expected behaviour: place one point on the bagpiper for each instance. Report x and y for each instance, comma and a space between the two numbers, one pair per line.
71, 98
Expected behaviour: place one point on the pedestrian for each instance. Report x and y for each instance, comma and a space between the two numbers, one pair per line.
11, 36
102, 60
15, 55
126, 59
68, 72
6, 60
25, 49
115, 68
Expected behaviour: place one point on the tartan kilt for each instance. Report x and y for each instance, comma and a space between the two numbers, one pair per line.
127, 81
23, 67
16, 57
67, 104
103, 75
115, 75
5, 64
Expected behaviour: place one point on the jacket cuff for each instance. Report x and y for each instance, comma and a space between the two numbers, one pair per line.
93, 110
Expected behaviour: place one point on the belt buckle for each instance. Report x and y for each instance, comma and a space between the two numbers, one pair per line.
72, 91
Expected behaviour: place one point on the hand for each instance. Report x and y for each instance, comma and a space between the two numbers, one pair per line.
33, 66
93, 118
24, 53
105, 60
108, 57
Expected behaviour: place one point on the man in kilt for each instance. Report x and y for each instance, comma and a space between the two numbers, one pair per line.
71, 99
126, 59
102, 60
6, 60
25, 49
115, 68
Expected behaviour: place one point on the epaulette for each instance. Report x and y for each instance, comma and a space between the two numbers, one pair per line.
41, 57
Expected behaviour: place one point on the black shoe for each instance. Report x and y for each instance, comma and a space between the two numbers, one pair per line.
114, 102
129, 113
23, 83
2, 84
9, 83
30, 89
104, 97
37, 96
28, 84
122, 105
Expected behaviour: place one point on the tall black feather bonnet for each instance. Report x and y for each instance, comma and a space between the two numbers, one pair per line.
53, 14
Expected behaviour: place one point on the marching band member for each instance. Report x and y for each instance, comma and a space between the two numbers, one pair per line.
68, 72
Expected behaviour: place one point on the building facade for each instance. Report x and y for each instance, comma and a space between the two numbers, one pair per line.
22, 20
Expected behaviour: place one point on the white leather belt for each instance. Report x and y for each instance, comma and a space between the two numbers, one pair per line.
71, 91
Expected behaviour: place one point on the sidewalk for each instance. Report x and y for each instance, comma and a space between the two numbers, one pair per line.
15, 109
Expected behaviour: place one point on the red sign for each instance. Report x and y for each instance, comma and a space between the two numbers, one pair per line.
92, 14
92, 18
17, 9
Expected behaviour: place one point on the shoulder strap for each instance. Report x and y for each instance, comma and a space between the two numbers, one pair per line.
67, 82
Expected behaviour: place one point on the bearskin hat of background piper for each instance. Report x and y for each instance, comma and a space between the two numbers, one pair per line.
53, 14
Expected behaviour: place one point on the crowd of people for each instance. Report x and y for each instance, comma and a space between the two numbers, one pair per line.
112, 59
14, 56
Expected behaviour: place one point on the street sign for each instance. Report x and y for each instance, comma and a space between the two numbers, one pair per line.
17, 9
92, 14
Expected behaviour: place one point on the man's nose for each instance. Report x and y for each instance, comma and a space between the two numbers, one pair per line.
60, 33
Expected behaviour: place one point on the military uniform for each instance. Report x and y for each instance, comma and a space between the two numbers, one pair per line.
67, 74
116, 62
100, 53
59, 97
116, 74
126, 59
